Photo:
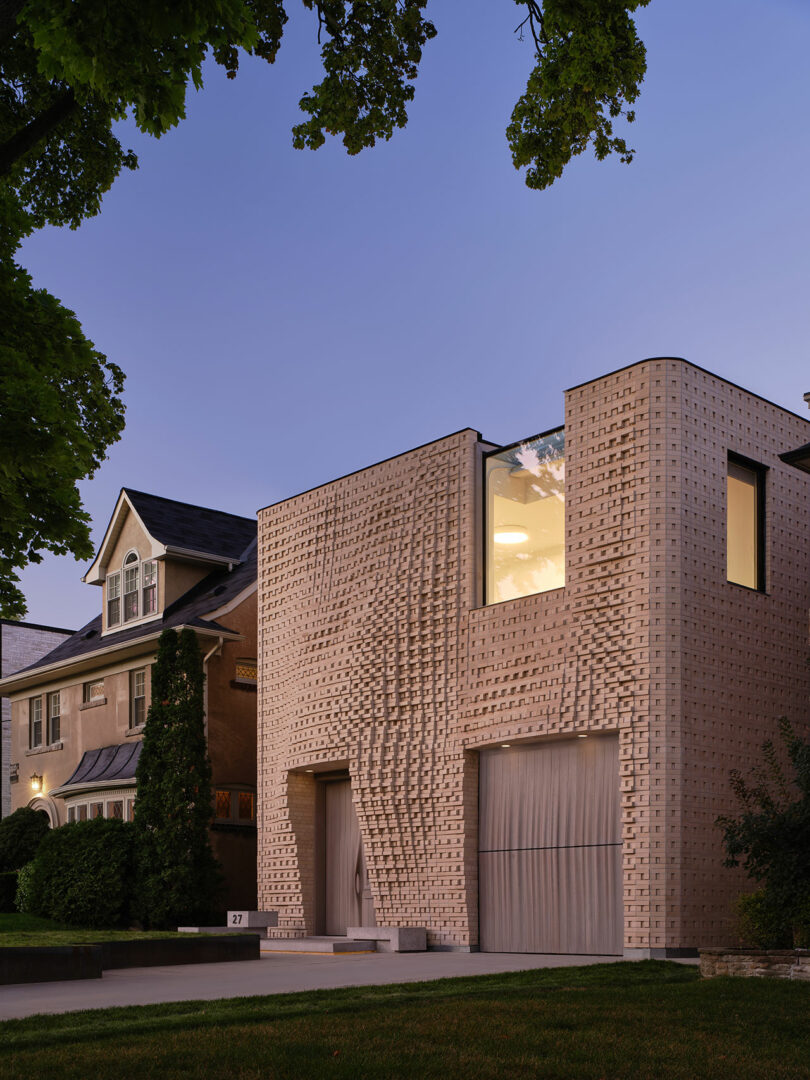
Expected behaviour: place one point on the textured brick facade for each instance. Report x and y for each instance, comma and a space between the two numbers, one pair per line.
376, 654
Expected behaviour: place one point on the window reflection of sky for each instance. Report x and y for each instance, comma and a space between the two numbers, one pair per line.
526, 494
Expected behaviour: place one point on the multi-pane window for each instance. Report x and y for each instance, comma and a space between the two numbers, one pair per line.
525, 518
745, 523
96, 809
114, 599
235, 806
54, 717
115, 809
149, 588
246, 670
137, 712
35, 722
131, 586
93, 692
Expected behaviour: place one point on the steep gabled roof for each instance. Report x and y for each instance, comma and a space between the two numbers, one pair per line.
175, 528
184, 527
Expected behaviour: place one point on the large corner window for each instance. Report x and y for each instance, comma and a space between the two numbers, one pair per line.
525, 518
745, 523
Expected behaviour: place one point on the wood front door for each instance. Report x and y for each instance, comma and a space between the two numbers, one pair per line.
347, 895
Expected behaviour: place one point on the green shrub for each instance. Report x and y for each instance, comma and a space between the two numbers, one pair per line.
20, 836
8, 890
23, 900
762, 923
82, 875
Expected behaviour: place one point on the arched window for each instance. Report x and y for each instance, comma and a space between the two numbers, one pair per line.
135, 584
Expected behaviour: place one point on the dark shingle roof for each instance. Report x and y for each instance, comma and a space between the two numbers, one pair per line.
107, 763
215, 590
195, 528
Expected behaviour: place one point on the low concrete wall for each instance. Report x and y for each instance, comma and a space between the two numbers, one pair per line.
53, 963
205, 949
762, 963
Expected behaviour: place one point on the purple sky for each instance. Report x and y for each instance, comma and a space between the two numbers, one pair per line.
286, 317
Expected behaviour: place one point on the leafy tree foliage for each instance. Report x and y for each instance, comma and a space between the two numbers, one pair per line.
70, 68
177, 879
771, 837
21, 833
59, 411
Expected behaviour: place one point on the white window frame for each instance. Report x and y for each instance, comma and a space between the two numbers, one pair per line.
131, 566
34, 717
54, 699
133, 697
114, 582
149, 582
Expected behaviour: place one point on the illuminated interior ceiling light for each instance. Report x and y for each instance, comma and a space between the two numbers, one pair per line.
505, 745
510, 534
582, 736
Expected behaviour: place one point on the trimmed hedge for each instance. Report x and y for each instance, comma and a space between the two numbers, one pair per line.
82, 875
20, 836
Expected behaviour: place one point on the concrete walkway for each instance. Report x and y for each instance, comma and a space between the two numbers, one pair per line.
274, 973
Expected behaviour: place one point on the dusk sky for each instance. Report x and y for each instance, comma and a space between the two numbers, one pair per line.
285, 317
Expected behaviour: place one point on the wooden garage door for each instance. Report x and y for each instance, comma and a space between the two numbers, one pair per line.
550, 864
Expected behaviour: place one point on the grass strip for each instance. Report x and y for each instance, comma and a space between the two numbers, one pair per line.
653, 1020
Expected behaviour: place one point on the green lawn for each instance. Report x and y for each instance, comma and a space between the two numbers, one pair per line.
31, 930
653, 1020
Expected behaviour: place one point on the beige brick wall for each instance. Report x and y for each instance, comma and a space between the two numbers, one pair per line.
376, 655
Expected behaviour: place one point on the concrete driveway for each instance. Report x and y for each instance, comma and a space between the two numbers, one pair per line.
274, 973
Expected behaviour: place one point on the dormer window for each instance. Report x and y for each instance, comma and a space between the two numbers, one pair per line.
114, 599
149, 586
131, 586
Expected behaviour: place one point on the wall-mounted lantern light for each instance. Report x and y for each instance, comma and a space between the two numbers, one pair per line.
36, 782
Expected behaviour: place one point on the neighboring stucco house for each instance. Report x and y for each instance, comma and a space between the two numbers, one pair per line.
501, 688
21, 643
78, 713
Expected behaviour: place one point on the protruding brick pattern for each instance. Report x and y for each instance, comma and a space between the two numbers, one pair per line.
376, 655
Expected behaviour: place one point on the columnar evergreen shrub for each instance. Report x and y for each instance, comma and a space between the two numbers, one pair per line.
177, 878
771, 838
82, 875
20, 836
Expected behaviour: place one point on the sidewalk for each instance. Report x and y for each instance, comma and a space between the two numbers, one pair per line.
274, 973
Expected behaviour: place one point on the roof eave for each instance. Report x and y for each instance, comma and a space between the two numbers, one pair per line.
799, 459
25, 680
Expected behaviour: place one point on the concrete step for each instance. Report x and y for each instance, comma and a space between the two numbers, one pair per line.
320, 944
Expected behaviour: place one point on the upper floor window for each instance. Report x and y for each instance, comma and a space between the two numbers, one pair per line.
54, 717
149, 587
525, 518
745, 522
93, 692
246, 671
137, 697
114, 599
35, 722
131, 586
132, 590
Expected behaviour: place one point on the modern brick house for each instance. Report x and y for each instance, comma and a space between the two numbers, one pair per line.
501, 688
78, 712
21, 643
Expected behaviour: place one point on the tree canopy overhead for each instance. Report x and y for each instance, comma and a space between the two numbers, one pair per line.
70, 68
